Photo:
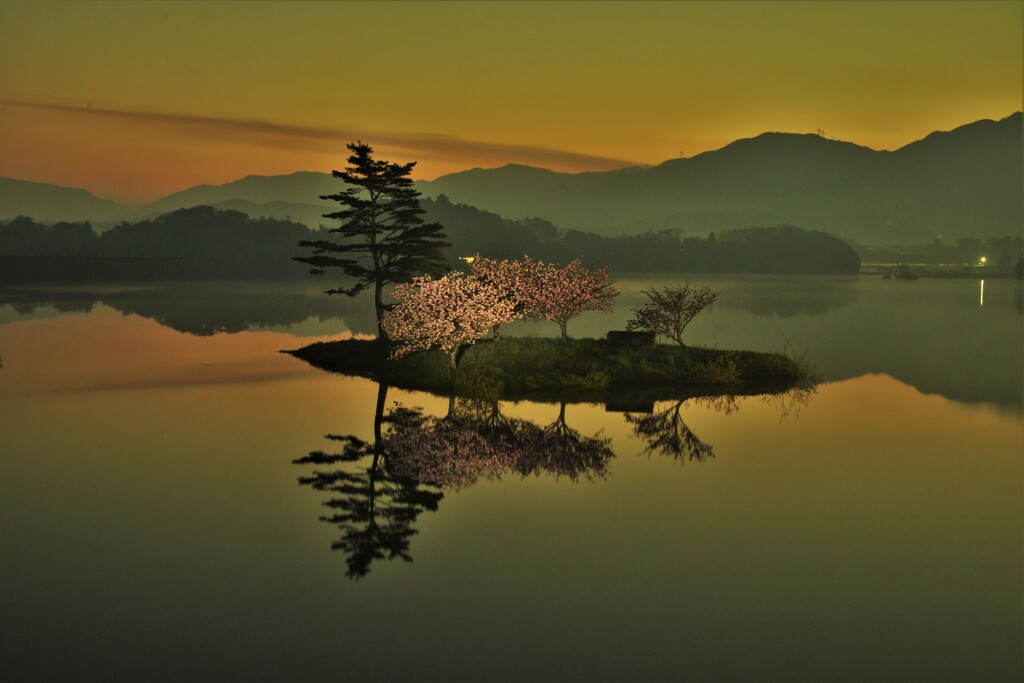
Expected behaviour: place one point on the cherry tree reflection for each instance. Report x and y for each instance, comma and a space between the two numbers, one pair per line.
474, 440
378, 489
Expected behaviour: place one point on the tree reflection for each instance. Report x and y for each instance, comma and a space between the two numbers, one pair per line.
561, 450
790, 402
666, 432
474, 440
374, 508
380, 488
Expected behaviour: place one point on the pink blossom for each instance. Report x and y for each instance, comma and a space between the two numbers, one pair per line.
448, 313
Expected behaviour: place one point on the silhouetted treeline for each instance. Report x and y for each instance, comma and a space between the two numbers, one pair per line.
198, 232
196, 243
781, 249
22, 236
205, 242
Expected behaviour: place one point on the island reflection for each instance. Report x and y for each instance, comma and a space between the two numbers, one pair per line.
379, 488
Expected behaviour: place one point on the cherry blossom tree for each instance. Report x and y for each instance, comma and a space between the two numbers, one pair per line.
450, 313
561, 294
510, 277
671, 309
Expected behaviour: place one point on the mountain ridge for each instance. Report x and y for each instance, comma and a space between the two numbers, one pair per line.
964, 182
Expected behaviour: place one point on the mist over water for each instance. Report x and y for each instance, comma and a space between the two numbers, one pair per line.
870, 530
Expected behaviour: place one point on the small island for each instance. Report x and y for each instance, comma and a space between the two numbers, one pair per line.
442, 333
574, 369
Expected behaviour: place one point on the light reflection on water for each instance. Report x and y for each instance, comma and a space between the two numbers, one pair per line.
154, 528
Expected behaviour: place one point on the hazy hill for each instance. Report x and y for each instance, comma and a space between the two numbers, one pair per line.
968, 182
52, 203
308, 214
965, 182
304, 187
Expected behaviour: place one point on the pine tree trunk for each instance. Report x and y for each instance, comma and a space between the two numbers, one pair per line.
378, 302
378, 419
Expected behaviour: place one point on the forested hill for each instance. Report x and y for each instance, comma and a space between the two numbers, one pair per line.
775, 249
198, 232
205, 233
967, 182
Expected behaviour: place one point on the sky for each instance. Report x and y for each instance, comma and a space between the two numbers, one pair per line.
134, 100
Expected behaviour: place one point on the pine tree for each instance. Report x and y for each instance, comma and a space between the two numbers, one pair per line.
383, 239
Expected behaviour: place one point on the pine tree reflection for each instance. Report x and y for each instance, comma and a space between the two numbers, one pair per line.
374, 508
380, 488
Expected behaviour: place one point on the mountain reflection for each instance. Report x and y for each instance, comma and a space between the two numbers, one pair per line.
204, 308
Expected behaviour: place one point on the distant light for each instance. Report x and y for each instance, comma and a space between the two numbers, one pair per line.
467, 259
982, 261
982, 303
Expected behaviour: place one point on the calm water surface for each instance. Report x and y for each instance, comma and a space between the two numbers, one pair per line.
154, 524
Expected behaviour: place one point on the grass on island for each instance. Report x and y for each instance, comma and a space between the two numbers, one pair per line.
524, 367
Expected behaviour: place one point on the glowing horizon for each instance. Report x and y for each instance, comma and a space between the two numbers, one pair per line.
133, 101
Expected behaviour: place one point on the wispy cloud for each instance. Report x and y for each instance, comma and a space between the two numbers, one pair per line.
278, 135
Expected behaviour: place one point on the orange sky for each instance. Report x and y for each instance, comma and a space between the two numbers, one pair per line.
135, 100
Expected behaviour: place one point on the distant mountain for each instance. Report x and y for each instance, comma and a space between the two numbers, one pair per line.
968, 182
965, 182
307, 214
51, 203
302, 188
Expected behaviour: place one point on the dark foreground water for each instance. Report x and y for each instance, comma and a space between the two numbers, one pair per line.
154, 526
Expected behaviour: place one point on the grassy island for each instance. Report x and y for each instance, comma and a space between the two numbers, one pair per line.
575, 369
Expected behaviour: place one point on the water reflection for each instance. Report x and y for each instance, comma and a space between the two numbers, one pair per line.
786, 297
372, 506
380, 488
205, 308
475, 440
666, 433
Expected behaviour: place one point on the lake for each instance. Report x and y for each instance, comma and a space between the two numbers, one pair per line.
156, 527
